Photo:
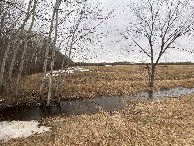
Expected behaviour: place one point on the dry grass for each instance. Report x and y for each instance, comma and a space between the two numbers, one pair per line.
165, 122
109, 80
118, 80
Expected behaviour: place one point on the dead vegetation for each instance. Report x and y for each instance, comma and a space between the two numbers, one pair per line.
107, 81
165, 122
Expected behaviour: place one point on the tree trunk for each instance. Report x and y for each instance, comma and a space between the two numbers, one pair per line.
53, 55
21, 68
68, 62
25, 50
3, 66
152, 76
12, 66
7, 50
69, 55
46, 54
21, 29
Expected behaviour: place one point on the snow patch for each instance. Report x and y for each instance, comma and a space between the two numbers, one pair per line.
20, 129
59, 120
69, 70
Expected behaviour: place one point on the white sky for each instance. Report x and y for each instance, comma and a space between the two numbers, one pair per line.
114, 49
114, 46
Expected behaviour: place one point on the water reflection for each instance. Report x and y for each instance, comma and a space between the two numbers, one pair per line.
86, 106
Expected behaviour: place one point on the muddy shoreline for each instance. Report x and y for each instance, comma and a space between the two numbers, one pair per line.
37, 111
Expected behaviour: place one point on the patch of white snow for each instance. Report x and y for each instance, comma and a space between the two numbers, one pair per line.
69, 70
20, 129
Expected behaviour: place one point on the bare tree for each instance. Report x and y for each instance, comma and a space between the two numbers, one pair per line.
28, 35
47, 51
156, 27
58, 2
79, 35
10, 34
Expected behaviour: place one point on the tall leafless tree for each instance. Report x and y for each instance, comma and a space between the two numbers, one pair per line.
28, 35
156, 26
47, 51
79, 35
58, 2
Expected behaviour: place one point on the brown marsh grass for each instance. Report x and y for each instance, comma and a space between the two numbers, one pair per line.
165, 122
108, 81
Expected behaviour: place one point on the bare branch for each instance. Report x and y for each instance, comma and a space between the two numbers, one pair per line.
141, 48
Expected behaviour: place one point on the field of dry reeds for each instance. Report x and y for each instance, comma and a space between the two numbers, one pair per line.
165, 122
107, 81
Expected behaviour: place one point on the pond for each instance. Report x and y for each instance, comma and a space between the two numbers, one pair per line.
86, 106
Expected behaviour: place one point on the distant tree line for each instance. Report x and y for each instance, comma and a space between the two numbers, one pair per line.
128, 63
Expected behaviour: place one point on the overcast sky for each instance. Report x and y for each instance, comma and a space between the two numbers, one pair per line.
114, 48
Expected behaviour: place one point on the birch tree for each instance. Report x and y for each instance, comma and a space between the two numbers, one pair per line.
46, 52
58, 2
28, 35
156, 27
11, 37
3, 66
81, 33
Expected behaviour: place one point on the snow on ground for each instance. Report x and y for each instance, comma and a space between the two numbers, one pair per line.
69, 70
20, 129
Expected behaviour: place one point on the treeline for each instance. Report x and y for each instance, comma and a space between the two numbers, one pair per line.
169, 63
129, 63
34, 57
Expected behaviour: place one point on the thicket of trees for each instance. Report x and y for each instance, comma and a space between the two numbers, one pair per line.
40, 36
34, 57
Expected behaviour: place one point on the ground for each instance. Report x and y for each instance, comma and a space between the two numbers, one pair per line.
105, 81
165, 122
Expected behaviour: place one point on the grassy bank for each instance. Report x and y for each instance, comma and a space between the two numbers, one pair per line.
165, 122
106, 80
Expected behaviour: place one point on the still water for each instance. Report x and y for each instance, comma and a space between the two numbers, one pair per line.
86, 106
